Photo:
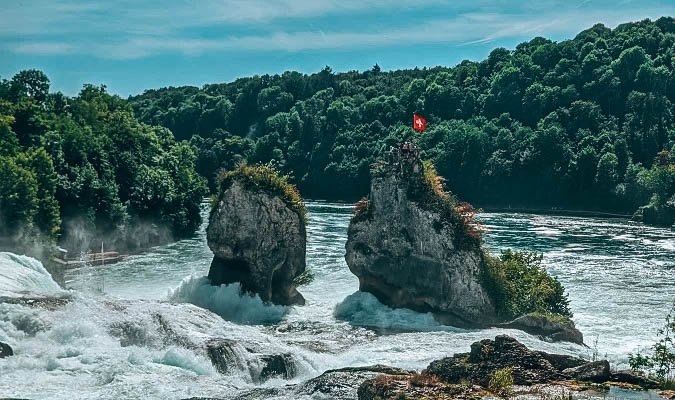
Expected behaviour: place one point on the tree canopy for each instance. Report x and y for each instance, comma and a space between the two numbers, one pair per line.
576, 123
84, 170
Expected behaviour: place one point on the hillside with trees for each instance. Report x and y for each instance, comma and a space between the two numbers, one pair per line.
83, 170
585, 123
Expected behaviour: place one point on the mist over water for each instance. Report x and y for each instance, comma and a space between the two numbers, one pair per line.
137, 329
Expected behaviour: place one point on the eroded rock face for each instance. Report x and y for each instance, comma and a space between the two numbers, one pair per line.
408, 257
258, 241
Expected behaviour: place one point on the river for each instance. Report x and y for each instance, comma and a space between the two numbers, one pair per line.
618, 274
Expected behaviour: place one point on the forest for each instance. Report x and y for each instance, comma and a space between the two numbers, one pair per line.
83, 170
585, 123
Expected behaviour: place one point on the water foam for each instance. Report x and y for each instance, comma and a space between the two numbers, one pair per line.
363, 309
187, 360
226, 301
20, 275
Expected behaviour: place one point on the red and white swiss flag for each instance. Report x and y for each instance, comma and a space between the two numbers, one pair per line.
419, 123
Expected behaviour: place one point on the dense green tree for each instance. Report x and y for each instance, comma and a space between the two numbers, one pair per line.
18, 200
30, 83
83, 170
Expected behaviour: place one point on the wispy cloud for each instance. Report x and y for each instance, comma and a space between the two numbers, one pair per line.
124, 30
69, 16
43, 48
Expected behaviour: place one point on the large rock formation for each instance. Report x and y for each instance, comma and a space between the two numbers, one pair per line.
487, 356
413, 245
410, 255
257, 235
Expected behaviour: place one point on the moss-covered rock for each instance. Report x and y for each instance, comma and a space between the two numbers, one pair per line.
263, 177
257, 234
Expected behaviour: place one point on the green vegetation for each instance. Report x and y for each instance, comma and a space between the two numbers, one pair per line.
430, 194
661, 362
266, 178
520, 285
575, 124
660, 180
305, 278
81, 170
501, 381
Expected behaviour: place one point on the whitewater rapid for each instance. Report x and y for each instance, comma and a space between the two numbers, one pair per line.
25, 275
139, 328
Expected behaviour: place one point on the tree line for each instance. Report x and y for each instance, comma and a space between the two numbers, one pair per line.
581, 123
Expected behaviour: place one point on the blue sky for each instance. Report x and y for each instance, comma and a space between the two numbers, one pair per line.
135, 45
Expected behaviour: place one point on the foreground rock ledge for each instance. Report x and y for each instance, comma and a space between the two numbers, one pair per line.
259, 241
468, 375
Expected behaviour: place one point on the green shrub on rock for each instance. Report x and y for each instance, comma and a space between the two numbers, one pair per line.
265, 177
430, 194
520, 285
501, 382
661, 361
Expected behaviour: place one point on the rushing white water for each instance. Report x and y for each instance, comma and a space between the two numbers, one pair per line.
226, 301
129, 333
22, 275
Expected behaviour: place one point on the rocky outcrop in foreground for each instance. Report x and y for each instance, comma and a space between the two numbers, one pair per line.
257, 235
468, 375
413, 256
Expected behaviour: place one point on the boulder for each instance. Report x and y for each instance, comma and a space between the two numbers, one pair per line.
562, 361
258, 239
343, 383
663, 215
487, 356
548, 327
410, 254
277, 366
5, 350
228, 355
594, 371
